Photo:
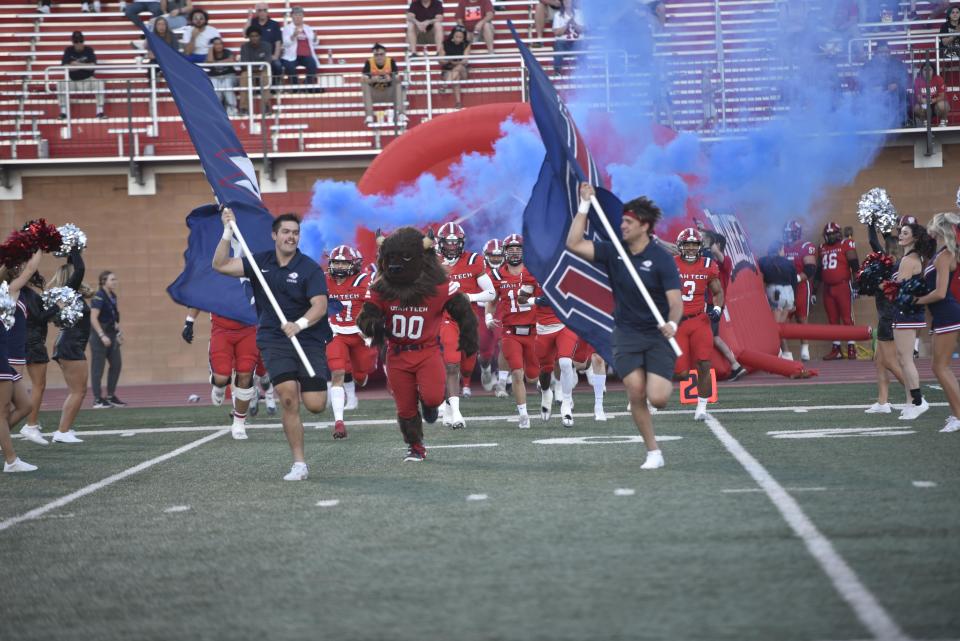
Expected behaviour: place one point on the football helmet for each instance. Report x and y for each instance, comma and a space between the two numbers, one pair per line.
513, 249
689, 242
792, 232
450, 240
832, 233
344, 261
493, 252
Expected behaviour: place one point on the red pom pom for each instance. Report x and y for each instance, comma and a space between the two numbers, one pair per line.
46, 237
891, 289
17, 249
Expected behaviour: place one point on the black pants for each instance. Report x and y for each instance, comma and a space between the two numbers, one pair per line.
100, 355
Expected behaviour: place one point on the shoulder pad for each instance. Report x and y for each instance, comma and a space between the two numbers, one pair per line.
359, 279
453, 287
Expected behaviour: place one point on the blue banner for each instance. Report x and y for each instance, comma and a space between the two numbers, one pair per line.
578, 291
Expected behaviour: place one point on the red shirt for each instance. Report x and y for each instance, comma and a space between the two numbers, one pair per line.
470, 12
303, 47
694, 283
466, 271
834, 268
507, 286
351, 293
418, 324
797, 252
938, 90
221, 322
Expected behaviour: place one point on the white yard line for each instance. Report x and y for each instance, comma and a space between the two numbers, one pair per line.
864, 604
93, 487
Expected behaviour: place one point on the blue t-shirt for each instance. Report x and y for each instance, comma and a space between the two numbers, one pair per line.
293, 285
657, 270
106, 304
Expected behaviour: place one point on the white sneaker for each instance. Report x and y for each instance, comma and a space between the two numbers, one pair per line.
501, 391
700, 414
804, 353
566, 413
43, 9
546, 404
297, 473
69, 436
444, 413
598, 413
486, 379
239, 432
368, 120
650, 408
85, 7
18, 466
879, 408
953, 425
654, 461
524, 422
402, 120
787, 356
32, 433
466, 392
271, 400
351, 403
217, 394
457, 421
912, 411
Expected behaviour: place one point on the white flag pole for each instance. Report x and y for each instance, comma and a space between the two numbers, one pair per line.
270, 296
630, 268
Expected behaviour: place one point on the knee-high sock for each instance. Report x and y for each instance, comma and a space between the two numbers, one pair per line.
337, 401
597, 381
568, 378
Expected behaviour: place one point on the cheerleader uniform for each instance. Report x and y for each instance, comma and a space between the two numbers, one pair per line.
17, 335
37, 320
71, 342
7, 373
946, 312
908, 321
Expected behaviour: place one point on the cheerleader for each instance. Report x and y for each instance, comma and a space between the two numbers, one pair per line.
70, 349
37, 357
944, 309
917, 247
12, 392
885, 356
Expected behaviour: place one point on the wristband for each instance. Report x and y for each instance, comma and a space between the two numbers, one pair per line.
302, 323
227, 233
584, 207
672, 324
190, 319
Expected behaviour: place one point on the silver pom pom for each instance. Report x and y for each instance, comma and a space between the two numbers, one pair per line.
69, 302
72, 237
876, 209
958, 197
8, 307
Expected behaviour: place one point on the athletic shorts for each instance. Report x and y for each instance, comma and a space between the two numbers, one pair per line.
348, 352
37, 353
780, 297
520, 352
550, 347
283, 364
647, 350
233, 350
70, 346
696, 342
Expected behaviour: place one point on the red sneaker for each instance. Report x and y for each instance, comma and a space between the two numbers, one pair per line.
339, 430
852, 352
834, 355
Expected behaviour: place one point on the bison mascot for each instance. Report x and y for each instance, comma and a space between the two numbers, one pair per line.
404, 308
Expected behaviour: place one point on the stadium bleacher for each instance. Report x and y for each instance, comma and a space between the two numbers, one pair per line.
31, 44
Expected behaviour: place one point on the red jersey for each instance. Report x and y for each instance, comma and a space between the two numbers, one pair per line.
834, 268
509, 309
221, 322
694, 283
938, 90
350, 293
797, 252
466, 271
417, 324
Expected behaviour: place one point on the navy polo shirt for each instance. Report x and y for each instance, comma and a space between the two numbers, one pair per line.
106, 304
270, 33
293, 285
657, 270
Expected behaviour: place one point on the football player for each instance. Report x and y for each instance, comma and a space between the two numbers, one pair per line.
698, 275
804, 257
490, 338
555, 344
838, 264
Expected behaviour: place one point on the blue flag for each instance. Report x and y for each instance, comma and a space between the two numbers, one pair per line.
231, 176
578, 291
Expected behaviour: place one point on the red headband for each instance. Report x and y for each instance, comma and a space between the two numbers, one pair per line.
632, 214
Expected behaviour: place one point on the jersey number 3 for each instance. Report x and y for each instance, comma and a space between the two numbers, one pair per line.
689, 290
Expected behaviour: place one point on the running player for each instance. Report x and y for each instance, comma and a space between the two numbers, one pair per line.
838, 264
555, 346
804, 257
490, 337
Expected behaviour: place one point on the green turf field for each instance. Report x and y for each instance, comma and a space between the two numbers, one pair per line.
516, 539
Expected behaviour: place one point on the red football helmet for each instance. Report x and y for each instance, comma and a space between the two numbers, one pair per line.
493, 252
832, 233
689, 242
450, 239
344, 261
513, 249
792, 232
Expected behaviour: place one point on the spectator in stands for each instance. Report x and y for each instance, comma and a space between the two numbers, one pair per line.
255, 49
659, 10
81, 79
299, 49
544, 13
161, 28
271, 33
198, 36
950, 45
456, 49
133, 10
708, 94
567, 29
425, 24
780, 278
889, 75
476, 16
224, 79
85, 6
929, 94
177, 12
381, 83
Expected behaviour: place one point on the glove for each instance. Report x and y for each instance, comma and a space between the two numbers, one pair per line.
714, 313
187, 332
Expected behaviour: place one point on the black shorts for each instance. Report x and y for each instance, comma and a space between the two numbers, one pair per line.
37, 353
885, 329
284, 365
70, 346
647, 350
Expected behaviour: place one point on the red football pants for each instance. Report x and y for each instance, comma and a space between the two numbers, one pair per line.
837, 301
550, 347
416, 375
520, 353
802, 301
233, 350
349, 353
696, 341
490, 338
450, 340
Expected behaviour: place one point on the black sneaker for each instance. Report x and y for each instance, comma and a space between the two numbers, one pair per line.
737, 373
101, 404
416, 453
115, 402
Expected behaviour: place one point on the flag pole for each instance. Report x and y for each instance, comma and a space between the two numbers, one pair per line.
630, 268
273, 301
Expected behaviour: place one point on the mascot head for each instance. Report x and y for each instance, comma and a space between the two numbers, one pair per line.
408, 267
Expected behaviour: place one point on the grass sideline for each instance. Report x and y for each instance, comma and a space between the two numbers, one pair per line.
559, 549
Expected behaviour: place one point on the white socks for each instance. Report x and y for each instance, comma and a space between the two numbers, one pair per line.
454, 402
597, 381
702, 404
502, 377
522, 409
338, 398
568, 378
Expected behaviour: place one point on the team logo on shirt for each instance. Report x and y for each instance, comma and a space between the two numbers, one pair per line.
292, 277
